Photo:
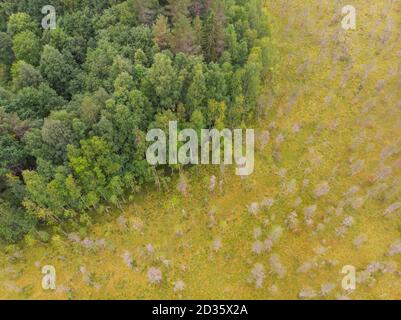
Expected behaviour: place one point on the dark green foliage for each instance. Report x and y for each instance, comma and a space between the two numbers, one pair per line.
35, 103
14, 223
26, 46
6, 51
12, 153
56, 69
25, 75
21, 22
76, 102
213, 37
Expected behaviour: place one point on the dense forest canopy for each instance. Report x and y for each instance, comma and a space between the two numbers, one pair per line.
76, 102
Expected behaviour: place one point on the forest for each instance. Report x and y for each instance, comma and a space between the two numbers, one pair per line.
76, 101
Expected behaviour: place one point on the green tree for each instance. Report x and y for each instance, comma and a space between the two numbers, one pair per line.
56, 134
161, 32
13, 156
177, 8
25, 75
198, 121
212, 37
106, 75
34, 103
56, 69
14, 223
253, 78
183, 38
196, 95
216, 114
98, 67
94, 165
6, 52
238, 51
216, 84
26, 46
163, 83
198, 26
20, 22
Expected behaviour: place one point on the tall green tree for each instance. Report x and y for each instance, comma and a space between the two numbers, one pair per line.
161, 32
14, 223
25, 75
183, 38
162, 83
213, 37
196, 95
56, 70
26, 46
21, 22
6, 51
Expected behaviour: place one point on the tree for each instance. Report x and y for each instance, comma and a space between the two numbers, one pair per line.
79, 23
90, 110
124, 13
120, 121
98, 67
257, 21
13, 156
175, 9
216, 83
183, 38
51, 201
33, 103
140, 58
94, 165
196, 95
146, 10
26, 46
216, 114
56, 70
56, 135
163, 83
25, 75
236, 113
198, 26
14, 223
253, 78
238, 51
20, 22
121, 65
270, 57
6, 52
197, 121
213, 37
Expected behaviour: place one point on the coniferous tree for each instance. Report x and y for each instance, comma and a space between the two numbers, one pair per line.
177, 8
161, 32
212, 37
183, 38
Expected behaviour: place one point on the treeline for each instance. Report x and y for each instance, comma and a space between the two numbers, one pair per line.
76, 102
